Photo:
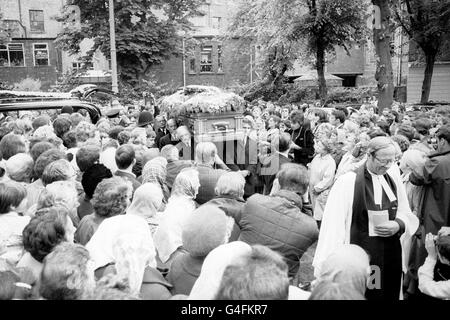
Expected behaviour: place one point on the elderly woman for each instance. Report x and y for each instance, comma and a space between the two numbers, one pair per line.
19, 168
12, 222
36, 187
206, 158
229, 198
10, 145
58, 170
155, 172
321, 169
180, 206
111, 197
44, 232
124, 257
348, 266
147, 199
61, 193
203, 231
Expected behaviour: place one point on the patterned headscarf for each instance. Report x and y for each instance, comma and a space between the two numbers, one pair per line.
126, 241
155, 171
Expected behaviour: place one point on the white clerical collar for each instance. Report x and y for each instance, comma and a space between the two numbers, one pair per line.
379, 184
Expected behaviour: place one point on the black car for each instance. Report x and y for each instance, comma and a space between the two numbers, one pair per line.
78, 99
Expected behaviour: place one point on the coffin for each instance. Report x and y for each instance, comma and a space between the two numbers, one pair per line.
214, 127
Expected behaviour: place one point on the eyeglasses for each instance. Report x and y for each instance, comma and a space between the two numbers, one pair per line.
385, 162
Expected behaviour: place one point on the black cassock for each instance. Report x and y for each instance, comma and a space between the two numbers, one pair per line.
384, 252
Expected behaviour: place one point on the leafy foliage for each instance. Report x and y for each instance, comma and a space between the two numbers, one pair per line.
146, 32
28, 84
286, 30
427, 24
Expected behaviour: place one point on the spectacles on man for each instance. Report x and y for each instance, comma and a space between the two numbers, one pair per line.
385, 162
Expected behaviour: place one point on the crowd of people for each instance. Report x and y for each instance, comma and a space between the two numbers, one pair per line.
136, 207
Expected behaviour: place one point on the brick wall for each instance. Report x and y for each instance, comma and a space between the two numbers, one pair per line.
47, 74
235, 60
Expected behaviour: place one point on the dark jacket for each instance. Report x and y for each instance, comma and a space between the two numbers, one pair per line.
232, 206
167, 140
184, 271
208, 179
269, 169
154, 286
174, 168
436, 203
278, 223
433, 211
245, 157
304, 138
159, 134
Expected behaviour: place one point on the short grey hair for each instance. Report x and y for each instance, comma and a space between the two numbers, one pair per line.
170, 152
378, 143
205, 153
231, 184
57, 171
20, 167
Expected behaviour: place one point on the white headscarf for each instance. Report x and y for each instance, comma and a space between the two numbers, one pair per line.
168, 235
146, 200
208, 283
102, 244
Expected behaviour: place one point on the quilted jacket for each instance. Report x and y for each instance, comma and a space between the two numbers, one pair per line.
278, 223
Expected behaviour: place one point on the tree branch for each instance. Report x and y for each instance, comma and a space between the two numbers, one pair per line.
408, 31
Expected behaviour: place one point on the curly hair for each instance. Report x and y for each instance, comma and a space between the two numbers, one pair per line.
11, 195
58, 170
45, 159
44, 232
39, 148
110, 197
61, 125
84, 130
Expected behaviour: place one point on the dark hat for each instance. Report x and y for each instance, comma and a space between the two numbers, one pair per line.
145, 118
67, 109
112, 113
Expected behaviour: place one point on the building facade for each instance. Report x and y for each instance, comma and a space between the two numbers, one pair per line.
29, 51
210, 60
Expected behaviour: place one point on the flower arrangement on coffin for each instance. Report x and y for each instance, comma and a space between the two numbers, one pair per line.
202, 100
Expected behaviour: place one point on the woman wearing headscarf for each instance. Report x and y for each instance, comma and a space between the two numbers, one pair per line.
181, 204
124, 257
214, 265
155, 172
348, 266
146, 201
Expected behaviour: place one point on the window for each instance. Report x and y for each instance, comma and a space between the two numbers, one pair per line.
37, 21
192, 65
206, 59
76, 65
216, 22
11, 55
40, 54
219, 59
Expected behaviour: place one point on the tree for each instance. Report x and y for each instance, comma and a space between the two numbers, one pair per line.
427, 23
146, 32
309, 29
382, 32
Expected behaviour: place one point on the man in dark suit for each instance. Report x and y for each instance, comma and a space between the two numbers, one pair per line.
246, 158
171, 137
271, 164
125, 160
161, 129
